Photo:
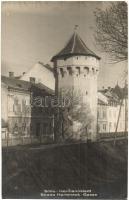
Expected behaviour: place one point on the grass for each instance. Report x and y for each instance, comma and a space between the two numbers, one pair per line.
101, 167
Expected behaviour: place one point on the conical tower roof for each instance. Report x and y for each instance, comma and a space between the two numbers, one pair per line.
75, 46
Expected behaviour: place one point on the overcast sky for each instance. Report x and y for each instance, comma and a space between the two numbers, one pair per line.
35, 31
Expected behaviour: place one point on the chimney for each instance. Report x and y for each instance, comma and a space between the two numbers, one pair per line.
32, 80
11, 74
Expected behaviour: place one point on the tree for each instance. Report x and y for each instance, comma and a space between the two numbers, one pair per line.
111, 30
75, 114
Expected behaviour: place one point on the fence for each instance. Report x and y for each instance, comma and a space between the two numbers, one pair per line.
12, 140
112, 135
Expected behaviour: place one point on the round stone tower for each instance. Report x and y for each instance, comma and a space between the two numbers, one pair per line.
76, 67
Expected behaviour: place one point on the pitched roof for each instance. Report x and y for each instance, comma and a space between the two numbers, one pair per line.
102, 99
75, 46
16, 83
43, 87
121, 92
46, 66
115, 94
24, 85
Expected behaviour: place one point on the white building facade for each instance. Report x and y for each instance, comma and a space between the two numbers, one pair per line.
112, 114
42, 74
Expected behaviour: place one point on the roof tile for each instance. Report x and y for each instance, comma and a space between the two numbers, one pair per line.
75, 46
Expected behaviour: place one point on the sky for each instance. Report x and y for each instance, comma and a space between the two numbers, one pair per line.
36, 31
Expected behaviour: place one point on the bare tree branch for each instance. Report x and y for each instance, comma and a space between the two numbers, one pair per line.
111, 30
77, 112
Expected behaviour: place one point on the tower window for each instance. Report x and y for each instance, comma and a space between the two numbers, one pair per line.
86, 93
93, 70
70, 70
86, 69
78, 68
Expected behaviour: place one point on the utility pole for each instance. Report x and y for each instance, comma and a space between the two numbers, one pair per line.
7, 134
118, 121
125, 107
123, 97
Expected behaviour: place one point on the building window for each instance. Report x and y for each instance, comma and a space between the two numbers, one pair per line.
23, 127
86, 93
45, 129
23, 105
104, 114
16, 106
98, 128
77, 57
16, 101
15, 129
110, 126
104, 127
10, 104
37, 129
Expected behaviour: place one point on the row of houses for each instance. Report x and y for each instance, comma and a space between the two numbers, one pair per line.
112, 110
23, 122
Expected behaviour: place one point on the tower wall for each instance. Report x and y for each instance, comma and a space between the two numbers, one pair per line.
79, 73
